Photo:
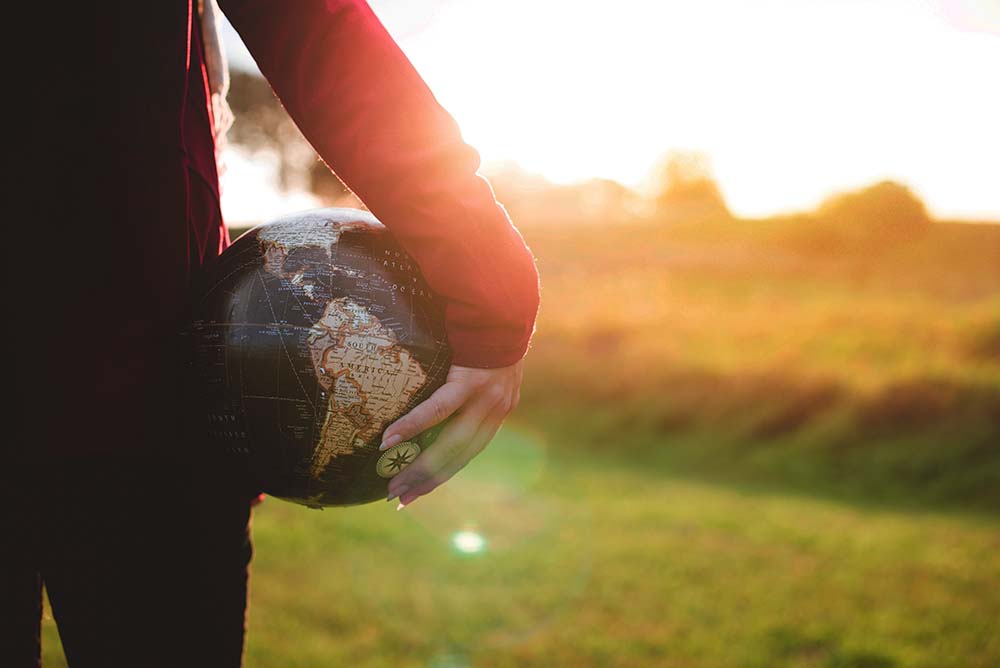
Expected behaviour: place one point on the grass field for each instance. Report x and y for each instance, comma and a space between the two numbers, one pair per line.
588, 562
739, 444
750, 349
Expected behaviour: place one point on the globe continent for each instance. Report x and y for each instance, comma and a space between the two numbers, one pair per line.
311, 334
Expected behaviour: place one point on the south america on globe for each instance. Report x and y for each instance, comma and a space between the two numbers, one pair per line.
310, 335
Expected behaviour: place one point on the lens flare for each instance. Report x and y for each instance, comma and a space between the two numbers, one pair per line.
476, 549
468, 541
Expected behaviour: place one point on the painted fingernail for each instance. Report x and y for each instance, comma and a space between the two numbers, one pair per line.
391, 441
400, 506
391, 496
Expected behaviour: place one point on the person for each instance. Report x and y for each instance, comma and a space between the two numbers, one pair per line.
141, 540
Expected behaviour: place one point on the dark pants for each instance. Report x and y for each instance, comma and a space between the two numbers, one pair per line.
145, 561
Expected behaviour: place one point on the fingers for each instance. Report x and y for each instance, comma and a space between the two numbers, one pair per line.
477, 401
482, 438
454, 438
435, 409
464, 438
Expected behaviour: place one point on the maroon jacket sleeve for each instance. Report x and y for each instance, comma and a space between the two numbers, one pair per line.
365, 109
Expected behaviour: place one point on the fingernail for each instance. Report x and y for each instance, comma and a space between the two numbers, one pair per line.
391, 496
391, 441
400, 506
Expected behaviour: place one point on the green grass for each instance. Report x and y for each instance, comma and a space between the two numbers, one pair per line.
737, 446
735, 351
598, 561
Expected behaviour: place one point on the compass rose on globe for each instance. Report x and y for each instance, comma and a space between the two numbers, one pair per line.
396, 459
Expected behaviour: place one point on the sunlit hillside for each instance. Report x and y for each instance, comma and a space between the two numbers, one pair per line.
784, 351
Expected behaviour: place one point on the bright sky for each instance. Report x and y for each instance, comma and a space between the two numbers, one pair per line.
791, 99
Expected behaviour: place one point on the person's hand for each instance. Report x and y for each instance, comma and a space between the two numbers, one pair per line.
480, 399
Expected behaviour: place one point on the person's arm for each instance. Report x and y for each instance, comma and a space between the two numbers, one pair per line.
370, 116
361, 104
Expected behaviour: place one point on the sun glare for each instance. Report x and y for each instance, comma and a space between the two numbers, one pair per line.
791, 99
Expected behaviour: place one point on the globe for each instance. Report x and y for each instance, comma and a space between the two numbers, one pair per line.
310, 335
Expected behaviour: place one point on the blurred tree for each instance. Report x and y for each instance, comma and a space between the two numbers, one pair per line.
684, 188
530, 197
873, 219
323, 183
886, 210
263, 126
